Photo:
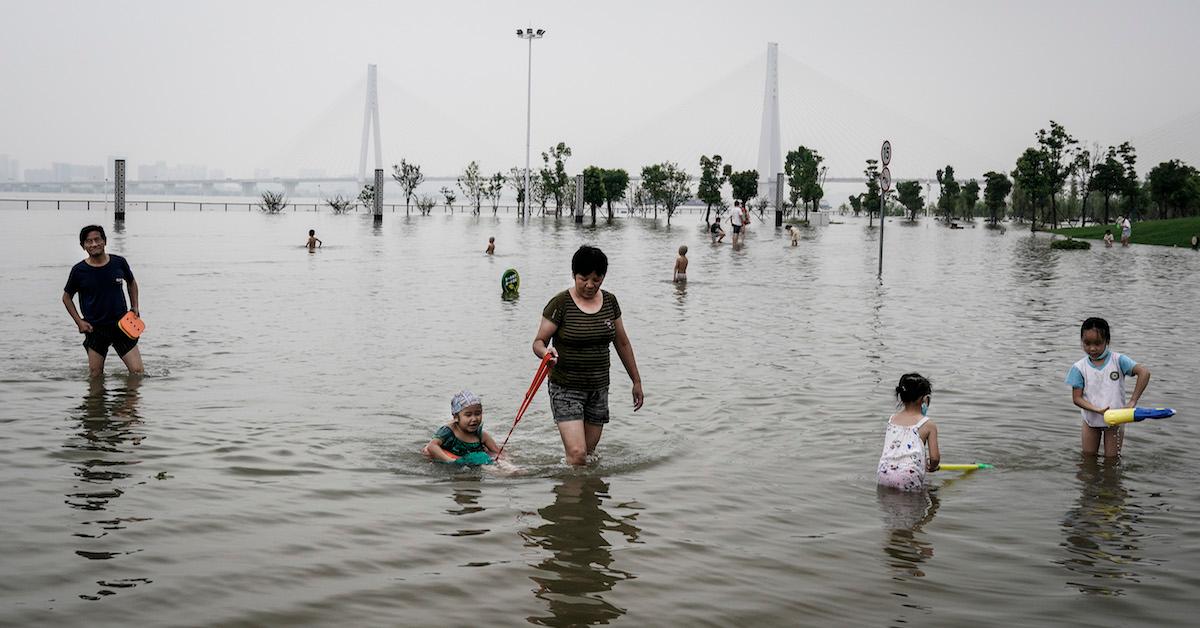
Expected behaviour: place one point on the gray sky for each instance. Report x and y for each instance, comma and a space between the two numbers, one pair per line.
245, 85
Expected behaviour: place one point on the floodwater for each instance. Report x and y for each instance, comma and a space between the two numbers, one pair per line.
265, 471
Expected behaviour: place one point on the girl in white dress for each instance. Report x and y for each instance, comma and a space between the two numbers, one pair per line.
910, 447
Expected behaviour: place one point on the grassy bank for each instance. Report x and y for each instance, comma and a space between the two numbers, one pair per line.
1172, 232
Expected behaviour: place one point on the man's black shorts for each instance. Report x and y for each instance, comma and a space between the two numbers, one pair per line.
104, 336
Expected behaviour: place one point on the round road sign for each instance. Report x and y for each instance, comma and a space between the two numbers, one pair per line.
885, 180
885, 153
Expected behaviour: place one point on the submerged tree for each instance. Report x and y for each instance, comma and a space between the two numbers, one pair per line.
871, 199
995, 190
448, 196
473, 185
555, 178
744, 184
1059, 150
950, 189
713, 176
910, 197
616, 182
803, 168
409, 177
340, 204
969, 195
272, 202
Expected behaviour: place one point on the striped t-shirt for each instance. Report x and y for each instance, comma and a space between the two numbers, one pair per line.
582, 341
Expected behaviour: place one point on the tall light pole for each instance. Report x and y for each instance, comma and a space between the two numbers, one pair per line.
528, 34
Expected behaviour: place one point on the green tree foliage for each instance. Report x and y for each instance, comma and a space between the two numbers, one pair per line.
1031, 177
493, 189
713, 176
1058, 159
272, 202
995, 190
516, 181
910, 197
1175, 188
593, 189
871, 199
950, 189
667, 184
803, 169
555, 178
616, 182
473, 185
1109, 178
969, 196
409, 177
856, 203
1130, 187
1085, 167
654, 184
366, 196
744, 184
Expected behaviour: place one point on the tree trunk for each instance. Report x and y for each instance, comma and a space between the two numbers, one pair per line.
1106, 208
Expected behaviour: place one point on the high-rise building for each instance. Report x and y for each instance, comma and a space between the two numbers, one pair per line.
9, 169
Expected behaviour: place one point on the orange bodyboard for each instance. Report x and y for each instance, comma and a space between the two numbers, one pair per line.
131, 325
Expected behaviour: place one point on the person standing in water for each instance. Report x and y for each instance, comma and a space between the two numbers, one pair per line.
1097, 384
581, 322
313, 240
681, 264
491, 247
101, 280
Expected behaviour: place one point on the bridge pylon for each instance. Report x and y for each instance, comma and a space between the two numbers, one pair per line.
770, 150
370, 120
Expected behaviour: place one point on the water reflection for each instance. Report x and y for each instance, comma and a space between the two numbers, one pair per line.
109, 430
579, 569
1100, 533
905, 514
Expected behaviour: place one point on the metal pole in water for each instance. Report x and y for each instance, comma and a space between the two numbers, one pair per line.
578, 209
119, 189
779, 199
378, 195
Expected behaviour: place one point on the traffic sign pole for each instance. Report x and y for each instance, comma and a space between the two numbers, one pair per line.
885, 186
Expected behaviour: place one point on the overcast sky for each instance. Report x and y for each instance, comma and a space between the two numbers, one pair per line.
245, 85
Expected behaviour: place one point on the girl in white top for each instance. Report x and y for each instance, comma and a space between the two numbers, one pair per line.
910, 447
1098, 384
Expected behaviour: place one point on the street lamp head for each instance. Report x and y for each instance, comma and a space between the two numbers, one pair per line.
540, 32
520, 32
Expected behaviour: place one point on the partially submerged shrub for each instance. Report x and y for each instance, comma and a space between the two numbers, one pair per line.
273, 202
1071, 244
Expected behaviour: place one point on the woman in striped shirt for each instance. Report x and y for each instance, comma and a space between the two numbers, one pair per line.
578, 324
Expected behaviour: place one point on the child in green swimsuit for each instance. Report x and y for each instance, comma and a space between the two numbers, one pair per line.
463, 438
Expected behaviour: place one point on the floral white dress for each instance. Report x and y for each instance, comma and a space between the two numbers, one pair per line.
904, 460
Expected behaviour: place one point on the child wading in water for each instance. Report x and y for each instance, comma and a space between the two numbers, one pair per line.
491, 247
715, 231
681, 262
794, 234
910, 447
1098, 384
464, 435
313, 240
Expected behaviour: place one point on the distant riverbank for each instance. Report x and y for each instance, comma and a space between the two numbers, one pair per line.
1171, 232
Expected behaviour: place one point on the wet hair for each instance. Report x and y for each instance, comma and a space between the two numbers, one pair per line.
312, 232
683, 249
492, 239
589, 259
1098, 324
83, 233
912, 387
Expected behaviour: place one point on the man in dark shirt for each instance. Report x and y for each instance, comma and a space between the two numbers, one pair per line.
99, 280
